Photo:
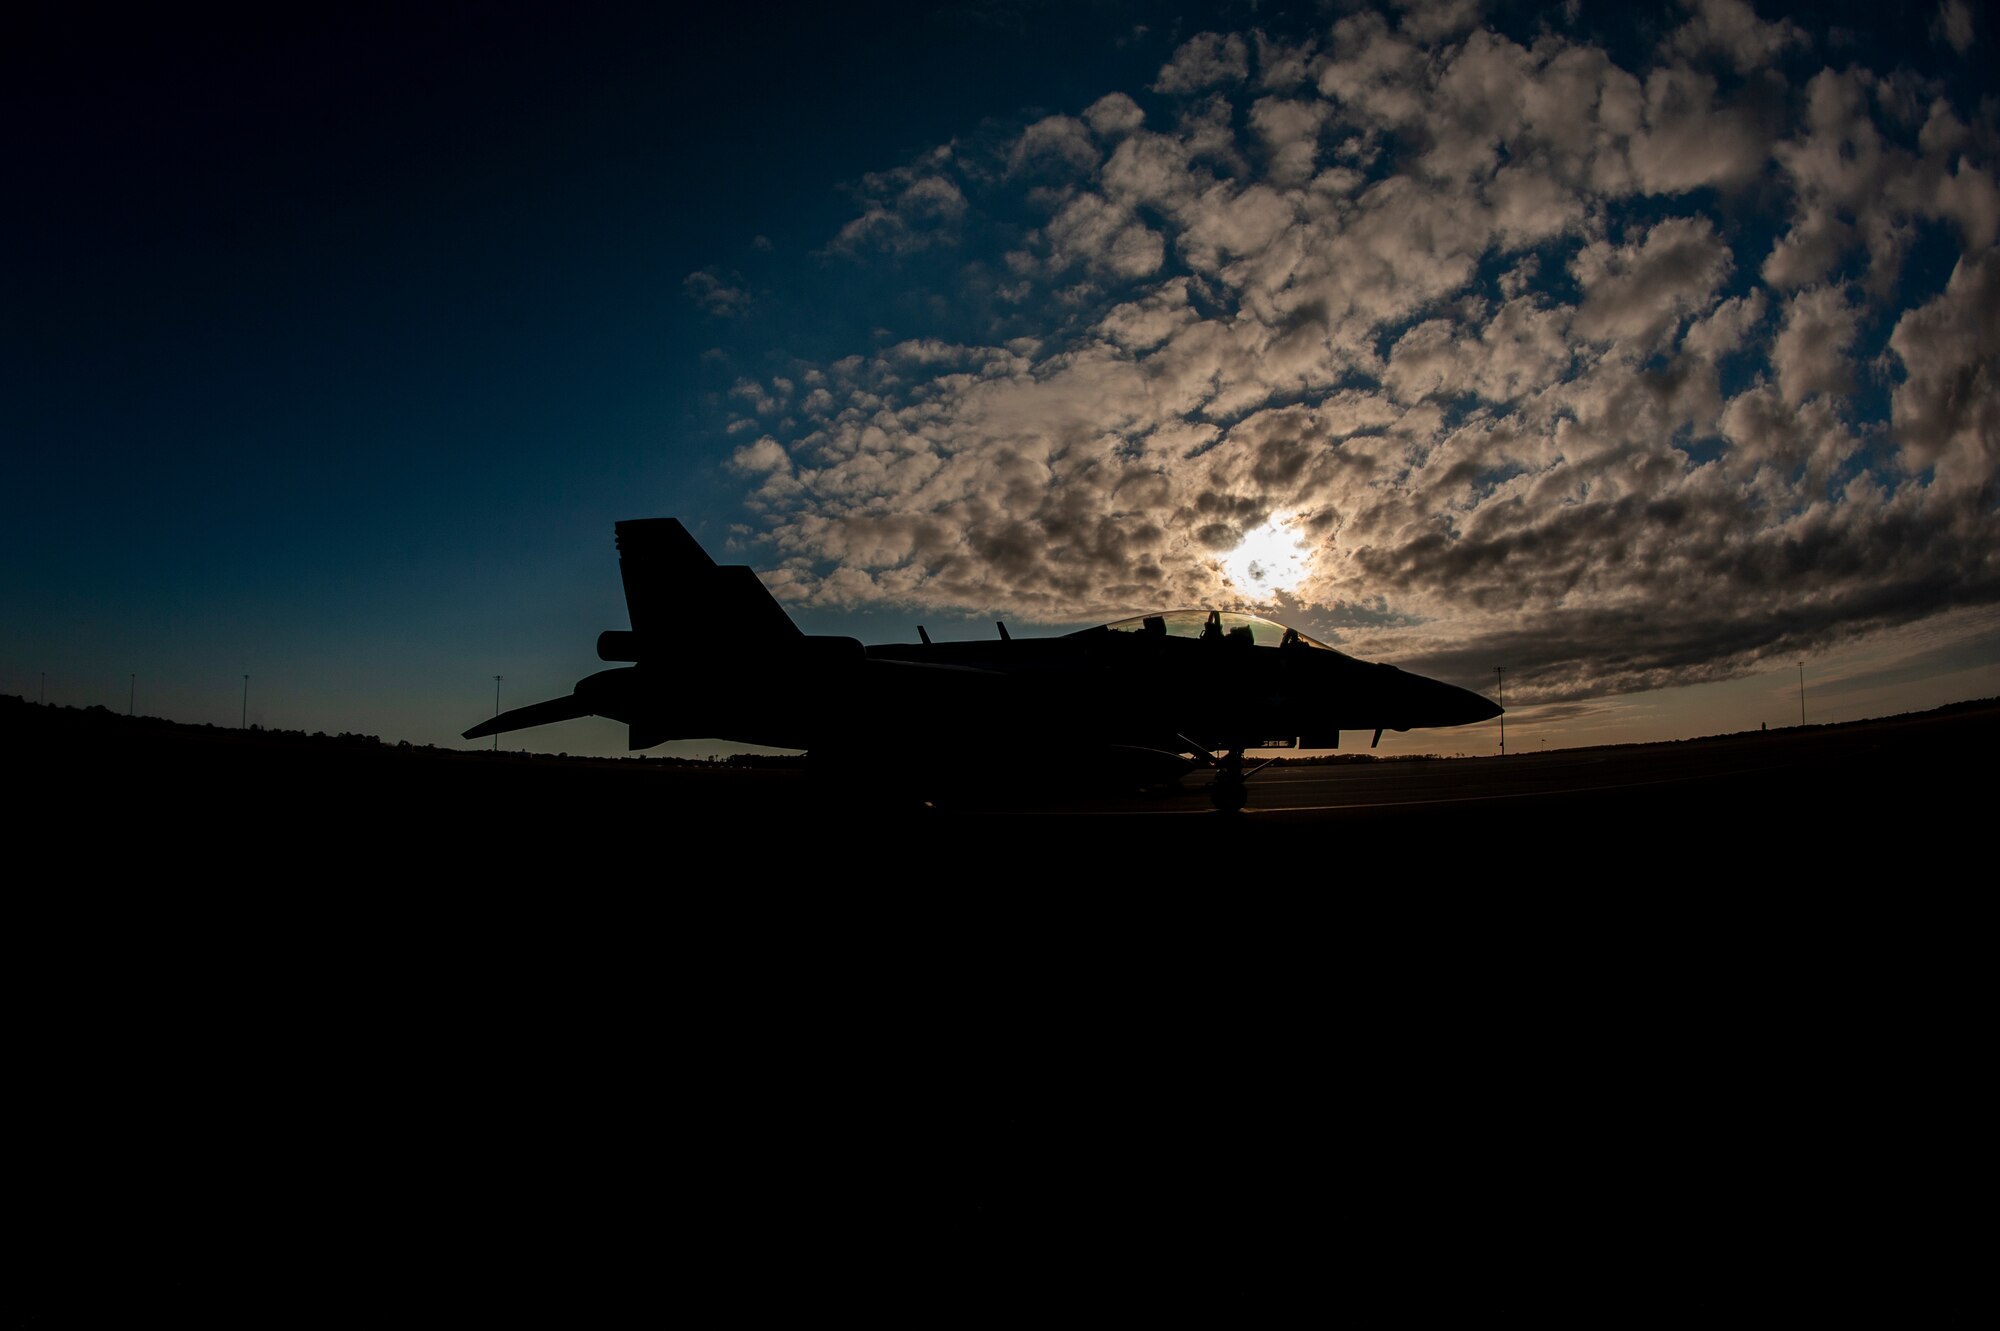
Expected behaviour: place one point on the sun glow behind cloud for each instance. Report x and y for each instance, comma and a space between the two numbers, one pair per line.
1271, 559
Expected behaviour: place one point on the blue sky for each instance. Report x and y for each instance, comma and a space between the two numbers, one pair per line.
1645, 352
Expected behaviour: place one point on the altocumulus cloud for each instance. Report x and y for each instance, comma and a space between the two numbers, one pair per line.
1633, 373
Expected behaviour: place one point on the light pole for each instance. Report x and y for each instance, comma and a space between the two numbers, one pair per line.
1500, 678
243, 722
1802, 693
132, 693
496, 712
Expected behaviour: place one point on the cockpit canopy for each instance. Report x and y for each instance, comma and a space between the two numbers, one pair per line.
1225, 624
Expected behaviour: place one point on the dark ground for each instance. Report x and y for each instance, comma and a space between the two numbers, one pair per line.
327, 1030
1803, 799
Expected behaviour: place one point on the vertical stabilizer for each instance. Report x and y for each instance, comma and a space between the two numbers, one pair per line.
655, 556
676, 594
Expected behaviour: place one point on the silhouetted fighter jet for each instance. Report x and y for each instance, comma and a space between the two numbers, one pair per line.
716, 657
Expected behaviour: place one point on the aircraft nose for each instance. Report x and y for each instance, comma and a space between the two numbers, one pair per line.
1443, 704
1477, 706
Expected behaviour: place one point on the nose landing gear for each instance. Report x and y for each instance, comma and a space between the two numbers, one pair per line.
1230, 790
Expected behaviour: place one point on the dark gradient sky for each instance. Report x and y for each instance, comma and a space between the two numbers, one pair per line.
1646, 352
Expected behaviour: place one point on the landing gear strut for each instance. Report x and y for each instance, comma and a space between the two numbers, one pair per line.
1229, 792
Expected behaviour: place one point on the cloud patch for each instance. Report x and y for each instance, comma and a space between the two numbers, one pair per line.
1632, 375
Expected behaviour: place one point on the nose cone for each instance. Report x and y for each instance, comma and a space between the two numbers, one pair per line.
1473, 706
1432, 702
1351, 694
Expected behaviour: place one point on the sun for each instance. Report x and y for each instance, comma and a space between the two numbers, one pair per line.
1268, 561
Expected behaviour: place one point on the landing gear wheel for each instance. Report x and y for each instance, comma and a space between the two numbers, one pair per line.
1228, 791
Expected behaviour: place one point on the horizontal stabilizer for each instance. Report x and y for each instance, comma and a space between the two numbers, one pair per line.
535, 714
